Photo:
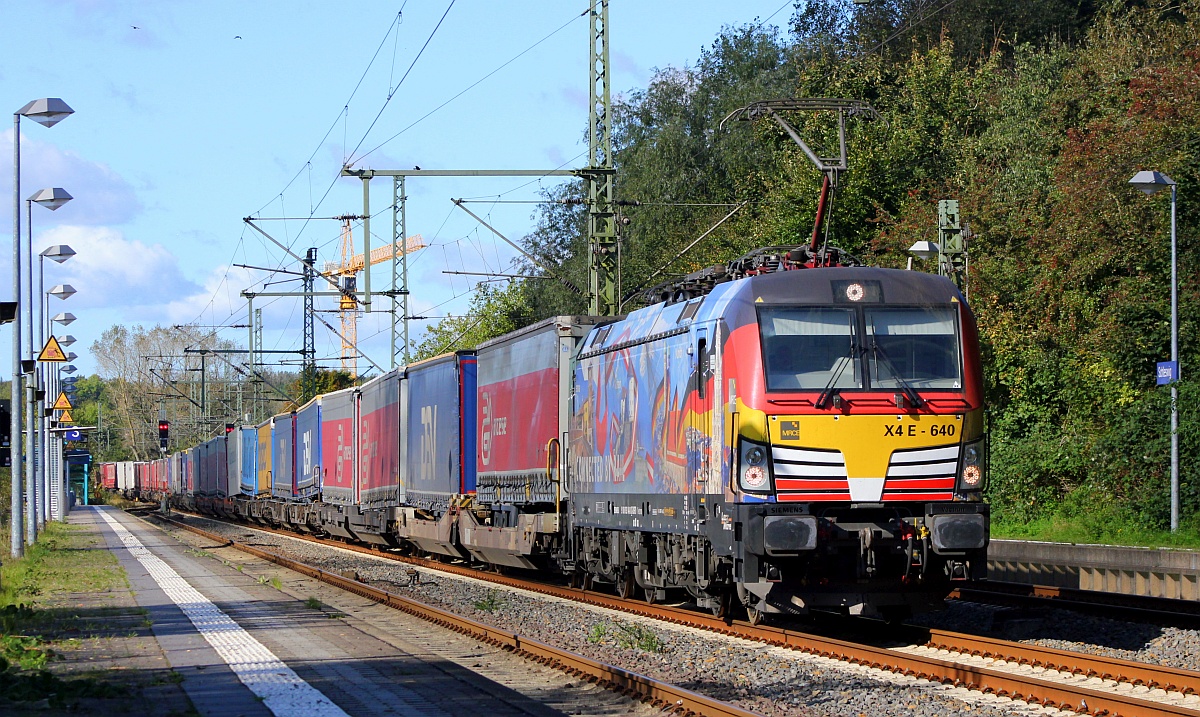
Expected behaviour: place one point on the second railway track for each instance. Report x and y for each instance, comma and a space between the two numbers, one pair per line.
1068, 680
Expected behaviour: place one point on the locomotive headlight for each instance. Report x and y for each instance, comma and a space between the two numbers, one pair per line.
755, 478
755, 456
754, 468
971, 469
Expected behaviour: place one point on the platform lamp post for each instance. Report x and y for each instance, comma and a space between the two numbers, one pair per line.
1152, 182
59, 485
53, 381
68, 387
46, 112
52, 199
58, 253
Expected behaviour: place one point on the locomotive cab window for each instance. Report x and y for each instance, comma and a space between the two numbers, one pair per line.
913, 346
809, 348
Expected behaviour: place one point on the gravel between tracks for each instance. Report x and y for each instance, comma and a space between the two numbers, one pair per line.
768, 680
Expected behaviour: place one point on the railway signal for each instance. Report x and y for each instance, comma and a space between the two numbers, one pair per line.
164, 431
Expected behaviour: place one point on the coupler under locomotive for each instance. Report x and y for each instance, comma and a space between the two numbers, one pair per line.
886, 560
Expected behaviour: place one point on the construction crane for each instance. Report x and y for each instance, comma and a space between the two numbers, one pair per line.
347, 273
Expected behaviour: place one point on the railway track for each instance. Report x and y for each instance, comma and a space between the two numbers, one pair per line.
667, 697
1067, 680
1155, 610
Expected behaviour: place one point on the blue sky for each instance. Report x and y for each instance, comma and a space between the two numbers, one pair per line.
193, 115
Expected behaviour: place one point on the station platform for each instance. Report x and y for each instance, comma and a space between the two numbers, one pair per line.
249, 645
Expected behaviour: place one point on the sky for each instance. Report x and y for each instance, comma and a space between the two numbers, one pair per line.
190, 116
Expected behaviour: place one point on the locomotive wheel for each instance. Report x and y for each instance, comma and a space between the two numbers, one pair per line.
580, 580
754, 616
721, 609
625, 584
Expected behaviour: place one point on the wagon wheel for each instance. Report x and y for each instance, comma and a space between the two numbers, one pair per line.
721, 608
625, 584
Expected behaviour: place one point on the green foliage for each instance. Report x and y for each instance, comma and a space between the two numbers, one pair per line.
494, 311
1033, 115
323, 380
627, 636
491, 602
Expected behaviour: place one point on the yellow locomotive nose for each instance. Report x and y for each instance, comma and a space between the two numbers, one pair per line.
867, 458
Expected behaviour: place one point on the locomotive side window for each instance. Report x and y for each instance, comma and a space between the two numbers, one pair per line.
916, 346
809, 348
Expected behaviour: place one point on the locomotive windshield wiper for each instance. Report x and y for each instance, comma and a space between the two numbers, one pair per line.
828, 392
879, 353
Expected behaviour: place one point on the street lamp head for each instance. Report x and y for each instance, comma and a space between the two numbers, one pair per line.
71, 355
69, 368
51, 198
924, 249
62, 291
46, 112
66, 340
58, 253
1151, 182
64, 318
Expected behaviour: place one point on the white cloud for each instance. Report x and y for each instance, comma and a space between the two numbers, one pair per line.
111, 271
101, 196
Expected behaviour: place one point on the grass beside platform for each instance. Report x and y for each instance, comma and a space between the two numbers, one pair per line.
1097, 529
63, 560
41, 620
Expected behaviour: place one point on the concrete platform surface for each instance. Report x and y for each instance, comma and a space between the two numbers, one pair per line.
251, 639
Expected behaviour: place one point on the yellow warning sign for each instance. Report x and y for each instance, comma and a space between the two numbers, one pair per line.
52, 351
63, 403
65, 417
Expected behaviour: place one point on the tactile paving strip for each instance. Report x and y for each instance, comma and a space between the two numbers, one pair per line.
282, 691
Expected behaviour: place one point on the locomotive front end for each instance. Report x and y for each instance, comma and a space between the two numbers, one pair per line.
858, 452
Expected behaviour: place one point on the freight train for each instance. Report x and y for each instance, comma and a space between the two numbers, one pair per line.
784, 435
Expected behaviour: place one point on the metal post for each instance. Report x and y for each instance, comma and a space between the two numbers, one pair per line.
203, 396
602, 225
308, 372
401, 233
43, 476
18, 539
366, 245
1178, 372
31, 528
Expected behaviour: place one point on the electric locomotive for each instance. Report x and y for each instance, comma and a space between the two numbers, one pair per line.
794, 439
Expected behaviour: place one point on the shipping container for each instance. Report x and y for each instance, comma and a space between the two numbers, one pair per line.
126, 478
283, 442
339, 424
523, 400
196, 455
248, 435
215, 462
307, 459
379, 440
264, 457
233, 462
108, 476
437, 422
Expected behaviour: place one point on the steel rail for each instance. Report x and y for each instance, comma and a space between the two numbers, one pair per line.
1157, 610
1028, 688
665, 696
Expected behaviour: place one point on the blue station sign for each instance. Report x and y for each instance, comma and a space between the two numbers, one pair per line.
1168, 372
